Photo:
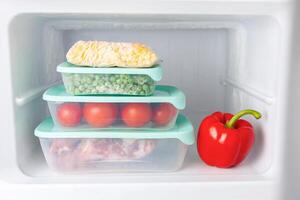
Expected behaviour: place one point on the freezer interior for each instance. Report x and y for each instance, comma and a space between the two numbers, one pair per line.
224, 63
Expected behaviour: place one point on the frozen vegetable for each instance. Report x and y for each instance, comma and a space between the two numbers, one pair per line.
69, 114
100, 114
224, 140
163, 114
110, 54
80, 84
136, 114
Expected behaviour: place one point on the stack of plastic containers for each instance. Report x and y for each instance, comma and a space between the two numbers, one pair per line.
114, 119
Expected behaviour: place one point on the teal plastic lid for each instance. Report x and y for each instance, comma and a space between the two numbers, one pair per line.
162, 93
183, 130
154, 72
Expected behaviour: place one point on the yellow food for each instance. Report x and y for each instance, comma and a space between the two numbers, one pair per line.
109, 54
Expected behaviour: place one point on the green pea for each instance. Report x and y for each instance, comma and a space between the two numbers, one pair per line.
145, 87
124, 81
95, 83
76, 83
112, 79
130, 80
89, 80
83, 80
81, 88
116, 87
123, 75
118, 81
98, 87
134, 88
77, 91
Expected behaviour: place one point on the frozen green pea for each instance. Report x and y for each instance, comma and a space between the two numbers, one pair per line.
139, 89
122, 76
134, 88
76, 78
89, 80
145, 87
107, 84
112, 79
83, 80
77, 91
117, 87
130, 81
81, 88
104, 75
76, 83
118, 81
94, 83
124, 81
98, 87
100, 81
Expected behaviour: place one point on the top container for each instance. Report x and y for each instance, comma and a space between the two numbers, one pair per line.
109, 81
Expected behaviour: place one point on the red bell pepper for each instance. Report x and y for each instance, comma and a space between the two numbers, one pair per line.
224, 140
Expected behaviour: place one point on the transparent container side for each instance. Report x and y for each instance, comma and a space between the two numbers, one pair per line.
113, 155
70, 116
108, 84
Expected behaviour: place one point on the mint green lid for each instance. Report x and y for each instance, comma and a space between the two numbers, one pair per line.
154, 72
183, 130
162, 93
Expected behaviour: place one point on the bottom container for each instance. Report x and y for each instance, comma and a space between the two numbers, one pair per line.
118, 151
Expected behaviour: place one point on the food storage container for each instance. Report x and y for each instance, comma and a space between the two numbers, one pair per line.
118, 151
80, 80
158, 111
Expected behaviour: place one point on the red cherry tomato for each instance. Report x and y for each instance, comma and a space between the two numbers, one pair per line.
69, 114
136, 114
100, 114
163, 114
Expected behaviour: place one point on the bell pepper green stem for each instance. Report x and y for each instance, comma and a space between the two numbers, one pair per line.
237, 116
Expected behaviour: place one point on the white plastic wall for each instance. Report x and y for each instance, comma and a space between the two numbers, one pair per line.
220, 64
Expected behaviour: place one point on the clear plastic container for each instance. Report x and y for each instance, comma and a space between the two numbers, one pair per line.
109, 81
158, 111
117, 151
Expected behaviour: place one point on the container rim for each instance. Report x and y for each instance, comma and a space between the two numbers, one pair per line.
183, 131
154, 72
162, 94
